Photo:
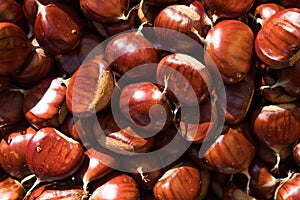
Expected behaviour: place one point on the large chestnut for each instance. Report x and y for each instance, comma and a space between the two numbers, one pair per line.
15, 47
11, 11
278, 41
288, 189
180, 182
229, 49
129, 50
145, 105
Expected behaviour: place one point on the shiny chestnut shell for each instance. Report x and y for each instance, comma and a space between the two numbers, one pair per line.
228, 9
229, 49
233, 151
277, 126
289, 189
187, 78
278, 41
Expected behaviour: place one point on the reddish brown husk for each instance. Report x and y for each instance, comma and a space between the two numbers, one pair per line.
289, 189
173, 184
229, 49
233, 151
15, 47
277, 43
58, 190
53, 156
13, 149
55, 30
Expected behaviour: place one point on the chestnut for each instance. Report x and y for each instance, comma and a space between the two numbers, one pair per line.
55, 30
90, 88
296, 154
187, 78
13, 149
181, 181
227, 9
11, 11
108, 12
229, 50
11, 189
129, 51
288, 189
15, 47
146, 106
182, 19
277, 43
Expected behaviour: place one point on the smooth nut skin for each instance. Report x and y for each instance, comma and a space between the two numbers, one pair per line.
11, 189
277, 126
228, 9
180, 18
129, 50
289, 189
146, 106
266, 10
188, 79
108, 12
262, 183
296, 154
49, 109
55, 30
15, 47
180, 182
232, 152
120, 187
90, 88
229, 49
53, 156
278, 41
58, 190
13, 149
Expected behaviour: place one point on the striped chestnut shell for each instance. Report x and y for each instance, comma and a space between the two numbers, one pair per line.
180, 182
277, 126
228, 9
278, 41
233, 151
289, 189
229, 49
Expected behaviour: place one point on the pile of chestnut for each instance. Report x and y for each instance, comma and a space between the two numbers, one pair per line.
169, 99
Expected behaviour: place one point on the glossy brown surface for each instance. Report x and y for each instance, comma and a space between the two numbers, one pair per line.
11, 189
289, 189
229, 48
278, 42
173, 184
53, 156
146, 106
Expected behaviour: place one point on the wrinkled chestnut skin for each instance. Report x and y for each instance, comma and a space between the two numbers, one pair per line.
15, 47
129, 50
229, 49
13, 149
11, 11
188, 79
233, 151
179, 18
53, 156
120, 185
262, 183
11, 189
228, 9
55, 30
180, 181
90, 88
146, 106
44, 105
108, 12
277, 126
289, 189
277, 43
58, 190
